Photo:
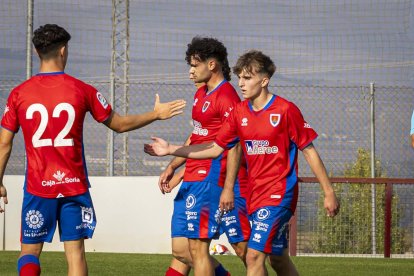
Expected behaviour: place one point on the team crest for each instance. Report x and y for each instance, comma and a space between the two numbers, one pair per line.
274, 119
205, 106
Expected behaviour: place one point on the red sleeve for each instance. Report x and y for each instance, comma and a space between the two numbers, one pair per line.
98, 105
10, 120
227, 136
300, 132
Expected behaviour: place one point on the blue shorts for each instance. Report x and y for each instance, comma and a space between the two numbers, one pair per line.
269, 229
40, 216
236, 223
196, 213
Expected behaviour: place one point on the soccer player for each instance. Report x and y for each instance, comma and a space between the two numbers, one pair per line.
168, 182
271, 130
412, 130
197, 218
50, 108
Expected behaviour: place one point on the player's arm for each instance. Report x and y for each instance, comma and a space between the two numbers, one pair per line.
232, 168
161, 111
168, 173
175, 180
331, 203
6, 144
160, 147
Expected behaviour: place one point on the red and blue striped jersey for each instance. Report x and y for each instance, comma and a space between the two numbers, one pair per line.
50, 108
270, 139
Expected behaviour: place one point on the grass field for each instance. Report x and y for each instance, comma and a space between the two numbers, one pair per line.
53, 263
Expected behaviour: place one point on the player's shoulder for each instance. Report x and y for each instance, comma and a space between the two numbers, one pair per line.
286, 104
227, 91
78, 83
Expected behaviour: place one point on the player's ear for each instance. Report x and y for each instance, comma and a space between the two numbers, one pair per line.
265, 81
211, 63
62, 51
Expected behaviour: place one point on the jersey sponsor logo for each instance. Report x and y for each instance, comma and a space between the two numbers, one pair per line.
34, 219
274, 119
198, 129
6, 109
244, 122
256, 147
205, 106
60, 179
59, 175
102, 99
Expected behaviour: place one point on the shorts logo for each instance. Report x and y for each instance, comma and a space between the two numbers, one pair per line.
102, 100
190, 201
87, 215
263, 214
205, 106
34, 219
257, 237
274, 119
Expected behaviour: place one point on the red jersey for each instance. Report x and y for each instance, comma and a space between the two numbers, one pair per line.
50, 108
270, 139
210, 110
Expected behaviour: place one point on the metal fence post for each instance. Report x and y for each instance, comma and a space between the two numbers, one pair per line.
373, 187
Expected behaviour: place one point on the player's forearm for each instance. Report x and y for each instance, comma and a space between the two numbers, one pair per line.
5, 151
318, 168
199, 151
132, 122
177, 162
232, 166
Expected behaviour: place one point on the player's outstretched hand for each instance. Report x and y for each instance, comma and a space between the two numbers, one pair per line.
159, 147
169, 109
331, 205
3, 194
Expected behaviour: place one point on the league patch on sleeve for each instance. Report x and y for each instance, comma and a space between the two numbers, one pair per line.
102, 99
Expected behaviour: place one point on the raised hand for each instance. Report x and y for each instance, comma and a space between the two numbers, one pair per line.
169, 109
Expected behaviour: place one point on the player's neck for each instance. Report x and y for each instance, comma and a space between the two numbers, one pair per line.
214, 81
51, 66
261, 100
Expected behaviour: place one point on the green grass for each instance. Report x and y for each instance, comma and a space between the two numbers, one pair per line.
53, 263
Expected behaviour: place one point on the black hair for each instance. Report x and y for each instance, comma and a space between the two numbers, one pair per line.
203, 48
48, 39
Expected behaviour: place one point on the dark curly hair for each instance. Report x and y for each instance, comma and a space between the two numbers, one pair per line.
203, 48
255, 61
48, 39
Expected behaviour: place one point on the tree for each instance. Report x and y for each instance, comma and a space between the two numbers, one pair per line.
350, 231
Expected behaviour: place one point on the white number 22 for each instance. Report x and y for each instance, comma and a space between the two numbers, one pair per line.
60, 140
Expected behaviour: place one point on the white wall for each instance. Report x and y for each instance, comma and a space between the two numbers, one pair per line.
132, 216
